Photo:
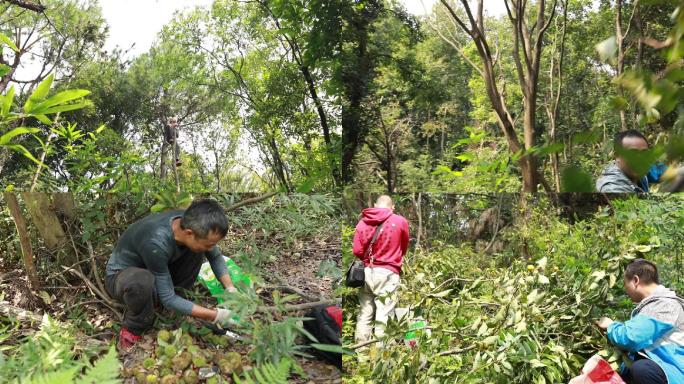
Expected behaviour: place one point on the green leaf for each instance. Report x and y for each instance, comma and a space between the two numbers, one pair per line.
4, 69
60, 98
307, 185
675, 148
549, 149
39, 94
618, 103
574, 179
21, 149
640, 161
7, 101
62, 376
334, 348
43, 119
64, 108
8, 42
5, 139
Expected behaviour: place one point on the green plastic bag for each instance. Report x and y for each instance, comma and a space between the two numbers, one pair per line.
206, 276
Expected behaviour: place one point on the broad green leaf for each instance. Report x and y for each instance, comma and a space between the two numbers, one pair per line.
43, 119
64, 108
675, 148
8, 42
332, 348
307, 185
21, 149
618, 103
60, 98
5, 139
549, 149
39, 94
575, 180
640, 161
7, 101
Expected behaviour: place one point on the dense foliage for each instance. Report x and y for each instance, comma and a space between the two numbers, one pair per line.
523, 312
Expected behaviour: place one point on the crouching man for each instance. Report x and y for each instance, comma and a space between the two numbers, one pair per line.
160, 253
654, 335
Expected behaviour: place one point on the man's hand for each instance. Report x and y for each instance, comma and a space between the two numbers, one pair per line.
223, 316
604, 323
231, 289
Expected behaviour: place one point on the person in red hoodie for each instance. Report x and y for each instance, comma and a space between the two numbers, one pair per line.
382, 261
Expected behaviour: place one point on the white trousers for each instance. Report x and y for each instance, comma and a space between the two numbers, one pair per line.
377, 298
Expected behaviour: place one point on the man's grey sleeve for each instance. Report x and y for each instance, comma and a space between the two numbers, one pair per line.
155, 260
608, 186
218, 264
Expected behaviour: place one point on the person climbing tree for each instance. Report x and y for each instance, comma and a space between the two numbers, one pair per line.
161, 252
380, 241
171, 137
654, 335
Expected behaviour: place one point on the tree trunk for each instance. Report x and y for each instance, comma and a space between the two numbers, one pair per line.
24, 240
417, 203
162, 160
44, 218
278, 165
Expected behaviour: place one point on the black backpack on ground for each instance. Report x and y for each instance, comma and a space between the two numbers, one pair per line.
324, 328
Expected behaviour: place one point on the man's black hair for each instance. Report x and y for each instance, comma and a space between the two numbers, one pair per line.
620, 136
204, 216
646, 270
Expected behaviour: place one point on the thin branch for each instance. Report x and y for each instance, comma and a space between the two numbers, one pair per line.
457, 350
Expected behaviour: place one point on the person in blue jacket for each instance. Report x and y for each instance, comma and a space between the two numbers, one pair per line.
654, 335
619, 176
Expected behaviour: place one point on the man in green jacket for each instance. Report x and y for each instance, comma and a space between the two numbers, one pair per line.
160, 253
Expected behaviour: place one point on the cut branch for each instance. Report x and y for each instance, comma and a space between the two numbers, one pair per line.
249, 201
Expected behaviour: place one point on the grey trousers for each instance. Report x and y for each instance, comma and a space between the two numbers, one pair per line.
134, 287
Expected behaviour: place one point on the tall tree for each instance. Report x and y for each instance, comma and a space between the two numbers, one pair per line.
527, 49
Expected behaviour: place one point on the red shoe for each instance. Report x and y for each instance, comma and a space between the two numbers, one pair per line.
127, 339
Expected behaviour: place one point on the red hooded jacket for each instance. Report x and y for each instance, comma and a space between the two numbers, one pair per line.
392, 242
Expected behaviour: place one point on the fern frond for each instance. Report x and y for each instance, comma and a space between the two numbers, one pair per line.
267, 373
104, 371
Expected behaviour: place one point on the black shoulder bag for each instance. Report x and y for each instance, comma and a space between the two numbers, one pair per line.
355, 275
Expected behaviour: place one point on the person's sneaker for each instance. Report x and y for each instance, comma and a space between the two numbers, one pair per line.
127, 339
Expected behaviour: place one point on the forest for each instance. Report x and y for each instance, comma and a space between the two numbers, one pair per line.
491, 124
460, 100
